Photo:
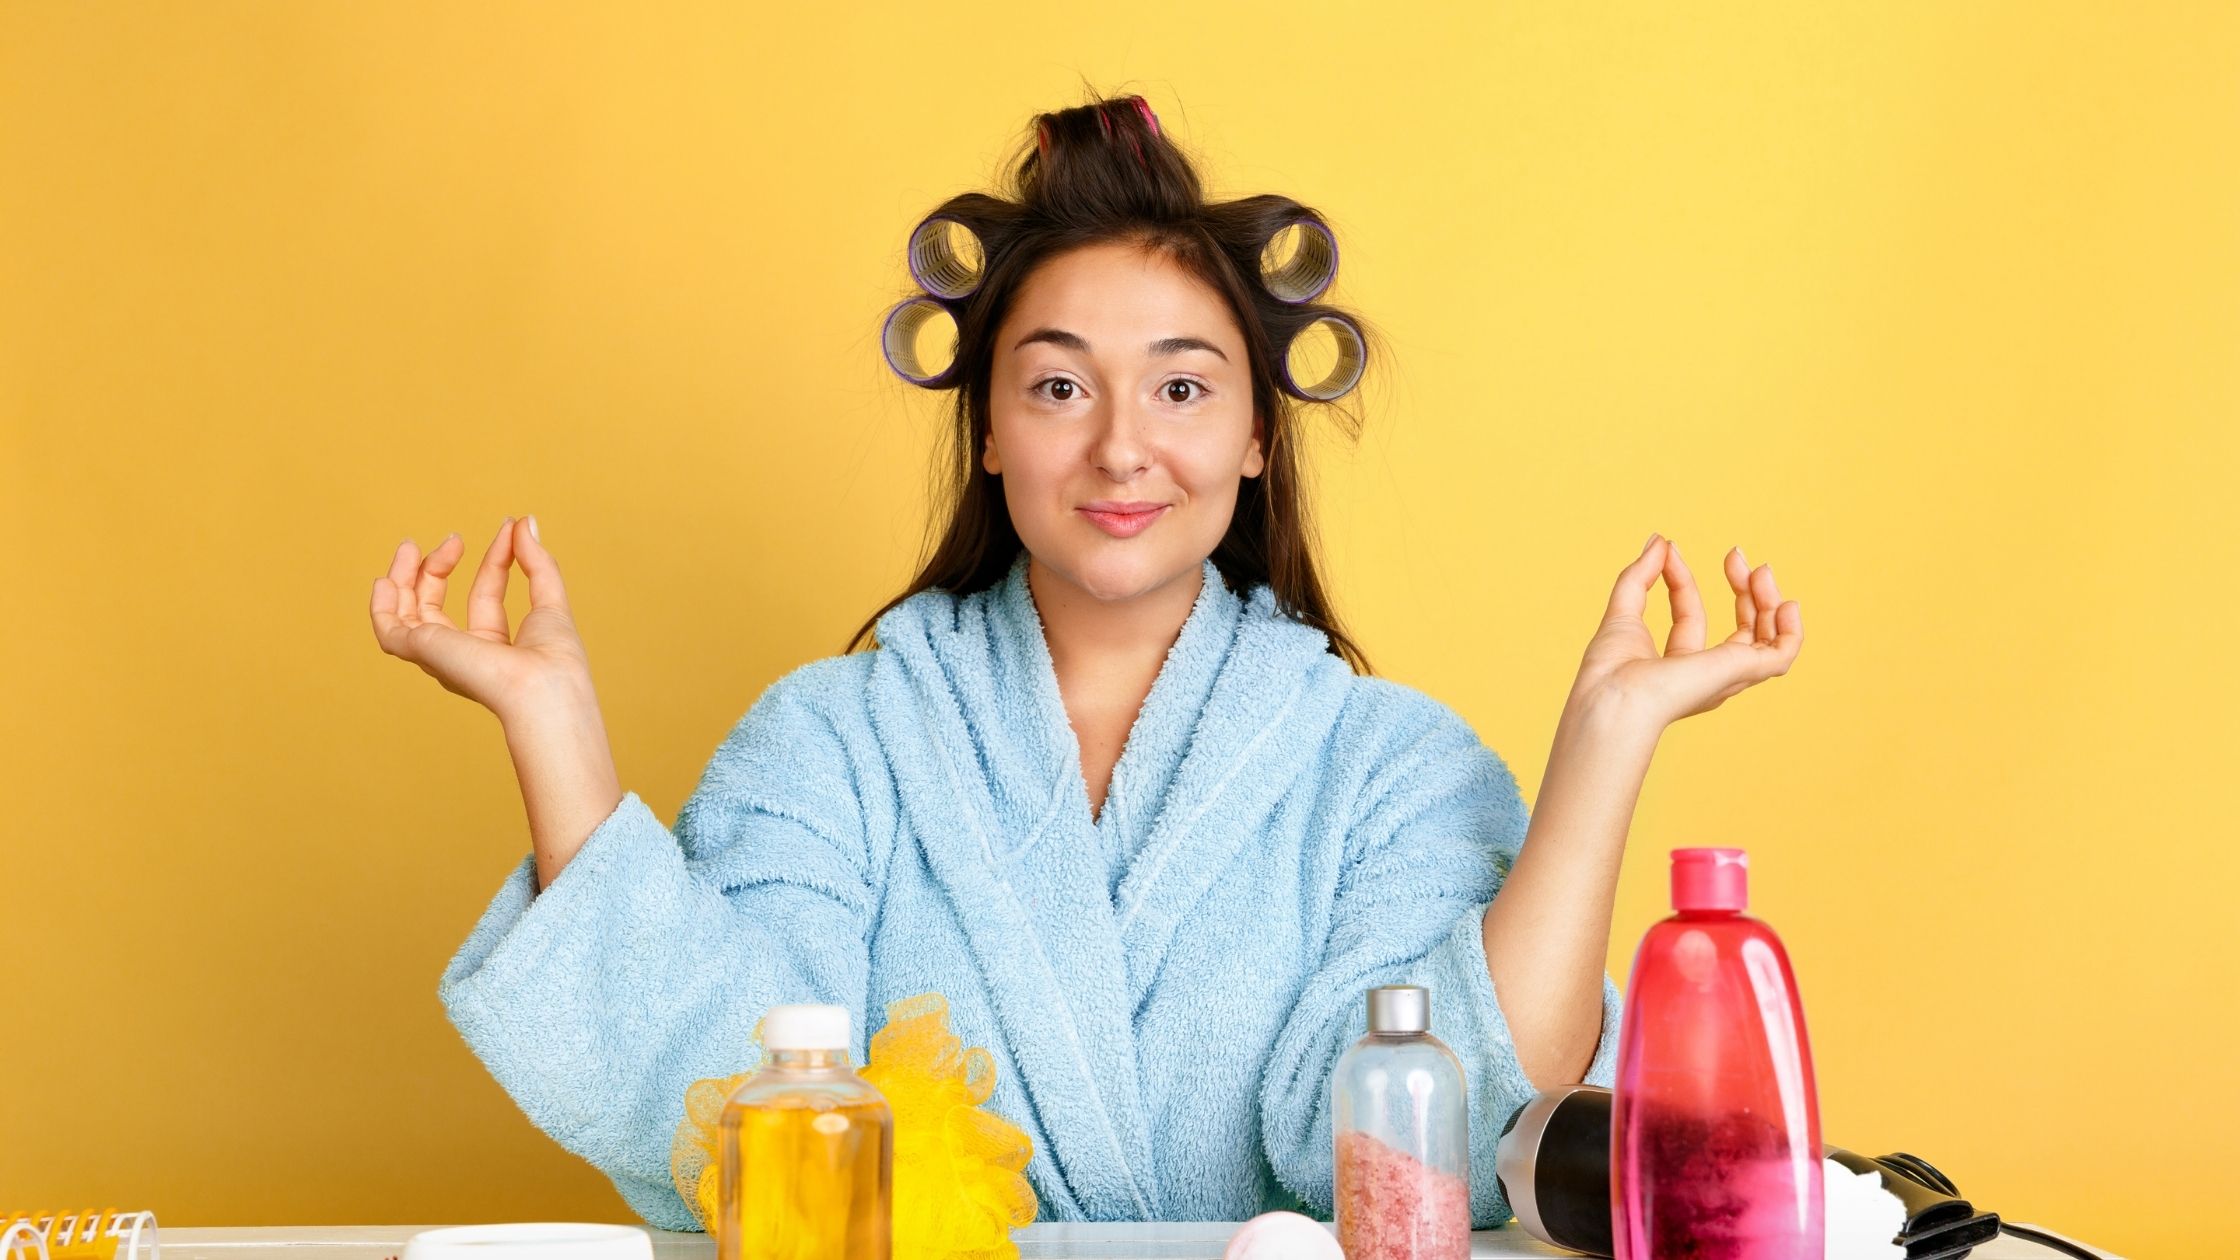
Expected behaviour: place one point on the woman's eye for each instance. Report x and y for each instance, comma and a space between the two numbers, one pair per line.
1179, 392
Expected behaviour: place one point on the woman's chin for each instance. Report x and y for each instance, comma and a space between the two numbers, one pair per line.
1115, 574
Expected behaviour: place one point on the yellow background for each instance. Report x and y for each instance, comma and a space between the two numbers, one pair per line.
1935, 306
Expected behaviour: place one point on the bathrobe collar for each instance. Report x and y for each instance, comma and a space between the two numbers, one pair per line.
966, 701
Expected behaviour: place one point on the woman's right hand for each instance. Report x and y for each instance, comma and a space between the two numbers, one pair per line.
507, 674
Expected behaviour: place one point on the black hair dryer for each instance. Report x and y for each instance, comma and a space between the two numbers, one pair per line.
1554, 1168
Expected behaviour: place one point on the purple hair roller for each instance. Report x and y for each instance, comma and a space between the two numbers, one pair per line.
900, 340
945, 257
1312, 265
1344, 374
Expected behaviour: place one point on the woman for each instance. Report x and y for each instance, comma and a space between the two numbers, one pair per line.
1113, 779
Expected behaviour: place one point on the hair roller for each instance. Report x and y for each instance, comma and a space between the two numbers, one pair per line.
899, 338
1344, 373
946, 256
1312, 266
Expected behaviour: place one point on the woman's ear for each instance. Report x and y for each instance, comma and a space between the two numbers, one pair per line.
988, 458
1255, 456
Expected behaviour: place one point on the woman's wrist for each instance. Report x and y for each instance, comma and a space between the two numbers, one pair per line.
1607, 716
1597, 763
569, 785
556, 698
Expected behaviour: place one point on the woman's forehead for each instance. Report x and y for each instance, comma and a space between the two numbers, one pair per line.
1118, 297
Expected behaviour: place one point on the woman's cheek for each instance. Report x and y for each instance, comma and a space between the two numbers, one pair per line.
1052, 494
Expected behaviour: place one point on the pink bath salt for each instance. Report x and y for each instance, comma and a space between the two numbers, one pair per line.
1393, 1206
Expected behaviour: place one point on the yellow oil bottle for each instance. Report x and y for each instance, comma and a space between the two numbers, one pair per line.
807, 1149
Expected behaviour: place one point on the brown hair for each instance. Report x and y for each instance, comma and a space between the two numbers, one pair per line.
1105, 172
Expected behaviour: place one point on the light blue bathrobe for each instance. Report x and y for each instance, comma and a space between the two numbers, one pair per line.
1165, 989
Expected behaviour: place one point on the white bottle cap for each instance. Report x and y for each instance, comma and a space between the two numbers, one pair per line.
805, 1028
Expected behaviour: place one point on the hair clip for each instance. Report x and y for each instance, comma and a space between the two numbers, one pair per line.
1150, 119
1313, 263
946, 256
1344, 373
899, 338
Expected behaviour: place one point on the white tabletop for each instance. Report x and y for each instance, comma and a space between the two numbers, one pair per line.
1048, 1240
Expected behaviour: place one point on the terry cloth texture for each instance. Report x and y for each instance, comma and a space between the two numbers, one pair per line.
1165, 987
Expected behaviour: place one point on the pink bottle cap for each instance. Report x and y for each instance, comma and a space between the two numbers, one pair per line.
1710, 879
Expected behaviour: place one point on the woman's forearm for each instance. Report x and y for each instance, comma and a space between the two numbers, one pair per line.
1547, 933
568, 780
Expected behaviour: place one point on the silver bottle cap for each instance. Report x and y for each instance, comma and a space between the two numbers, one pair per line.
1399, 1009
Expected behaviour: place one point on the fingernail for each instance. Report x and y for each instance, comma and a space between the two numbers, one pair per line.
1651, 543
533, 528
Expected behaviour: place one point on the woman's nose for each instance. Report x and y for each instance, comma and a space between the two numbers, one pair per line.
1121, 449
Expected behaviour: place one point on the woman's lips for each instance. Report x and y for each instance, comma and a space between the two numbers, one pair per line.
1125, 520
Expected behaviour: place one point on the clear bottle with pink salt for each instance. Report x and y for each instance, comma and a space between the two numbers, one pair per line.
1400, 1122
1715, 1127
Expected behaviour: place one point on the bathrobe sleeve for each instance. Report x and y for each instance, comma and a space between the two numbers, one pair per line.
648, 961
1443, 821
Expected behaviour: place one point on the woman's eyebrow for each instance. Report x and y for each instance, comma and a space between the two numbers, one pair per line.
1074, 341
1176, 345
1056, 337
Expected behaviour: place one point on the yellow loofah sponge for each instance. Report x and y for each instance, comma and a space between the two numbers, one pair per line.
958, 1186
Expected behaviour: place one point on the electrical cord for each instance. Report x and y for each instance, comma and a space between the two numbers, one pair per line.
2053, 1241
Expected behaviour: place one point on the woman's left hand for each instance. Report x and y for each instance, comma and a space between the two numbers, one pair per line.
1622, 666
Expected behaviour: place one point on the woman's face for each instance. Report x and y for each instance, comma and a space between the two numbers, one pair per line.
1121, 418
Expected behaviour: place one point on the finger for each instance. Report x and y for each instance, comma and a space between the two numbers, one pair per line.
1768, 599
1745, 608
452, 657
1773, 618
545, 590
388, 628
434, 577
404, 576
486, 602
1631, 594
1789, 639
1775, 656
1687, 604
1727, 668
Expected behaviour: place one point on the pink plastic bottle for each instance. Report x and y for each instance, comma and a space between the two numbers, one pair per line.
1715, 1132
